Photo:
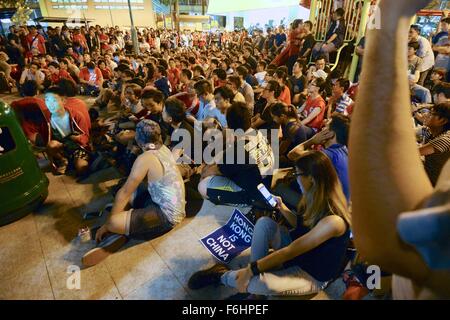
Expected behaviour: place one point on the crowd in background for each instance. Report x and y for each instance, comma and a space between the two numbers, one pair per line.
271, 79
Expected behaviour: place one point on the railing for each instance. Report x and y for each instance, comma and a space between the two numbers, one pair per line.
352, 17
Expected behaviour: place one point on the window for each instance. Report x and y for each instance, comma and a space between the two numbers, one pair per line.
119, 1
118, 8
70, 6
69, 1
7, 143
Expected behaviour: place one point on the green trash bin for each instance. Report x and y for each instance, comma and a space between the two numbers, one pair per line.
23, 186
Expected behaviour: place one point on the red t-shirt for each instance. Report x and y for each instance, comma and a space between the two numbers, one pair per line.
285, 95
36, 41
96, 76
311, 104
174, 76
63, 74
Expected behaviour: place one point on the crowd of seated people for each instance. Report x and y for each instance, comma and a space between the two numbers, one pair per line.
271, 94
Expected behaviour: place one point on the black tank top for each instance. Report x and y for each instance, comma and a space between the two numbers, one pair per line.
324, 262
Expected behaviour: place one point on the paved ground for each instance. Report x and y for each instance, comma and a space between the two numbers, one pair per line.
37, 251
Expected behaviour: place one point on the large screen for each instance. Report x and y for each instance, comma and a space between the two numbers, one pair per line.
221, 6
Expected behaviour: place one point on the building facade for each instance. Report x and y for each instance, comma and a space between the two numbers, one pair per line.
102, 12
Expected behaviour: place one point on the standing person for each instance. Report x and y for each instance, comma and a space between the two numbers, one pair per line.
35, 41
308, 41
441, 46
425, 52
391, 193
156, 206
92, 40
290, 54
309, 255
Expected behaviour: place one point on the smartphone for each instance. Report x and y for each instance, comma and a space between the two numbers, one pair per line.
267, 195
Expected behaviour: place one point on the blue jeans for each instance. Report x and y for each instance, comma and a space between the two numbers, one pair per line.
291, 281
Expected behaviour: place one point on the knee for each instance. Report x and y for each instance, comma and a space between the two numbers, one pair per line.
203, 187
53, 146
81, 167
264, 225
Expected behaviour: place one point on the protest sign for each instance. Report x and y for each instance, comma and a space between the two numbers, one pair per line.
229, 241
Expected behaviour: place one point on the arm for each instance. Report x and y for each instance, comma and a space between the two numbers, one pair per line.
311, 116
319, 138
332, 38
327, 228
384, 158
23, 77
138, 173
359, 51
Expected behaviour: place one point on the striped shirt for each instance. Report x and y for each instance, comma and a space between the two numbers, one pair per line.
436, 161
343, 103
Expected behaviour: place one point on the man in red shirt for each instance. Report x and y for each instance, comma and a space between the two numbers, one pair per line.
35, 41
91, 79
313, 111
173, 74
33, 114
56, 74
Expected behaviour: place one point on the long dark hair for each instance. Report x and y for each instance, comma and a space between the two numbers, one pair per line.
326, 196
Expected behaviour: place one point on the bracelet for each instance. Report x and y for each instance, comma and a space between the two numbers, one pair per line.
254, 268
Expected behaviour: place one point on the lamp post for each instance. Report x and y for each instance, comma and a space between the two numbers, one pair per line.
133, 31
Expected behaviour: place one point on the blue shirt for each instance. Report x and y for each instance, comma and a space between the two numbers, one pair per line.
280, 38
421, 94
338, 155
163, 85
209, 110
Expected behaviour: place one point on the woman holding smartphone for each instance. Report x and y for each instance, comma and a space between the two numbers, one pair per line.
306, 257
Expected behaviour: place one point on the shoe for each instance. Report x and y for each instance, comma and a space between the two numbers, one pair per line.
107, 246
207, 277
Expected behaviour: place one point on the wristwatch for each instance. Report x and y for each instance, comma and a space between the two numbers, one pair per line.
254, 268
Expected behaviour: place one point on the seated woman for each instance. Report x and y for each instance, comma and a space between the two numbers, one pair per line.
294, 132
311, 254
155, 209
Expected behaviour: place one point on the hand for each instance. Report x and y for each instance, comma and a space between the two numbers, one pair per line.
210, 170
101, 233
243, 277
322, 137
74, 137
404, 8
280, 204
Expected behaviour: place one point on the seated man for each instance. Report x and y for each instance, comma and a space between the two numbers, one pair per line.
56, 73
69, 142
334, 38
155, 209
232, 182
435, 140
174, 115
33, 115
339, 101
207, 108
91, 79
334, 139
